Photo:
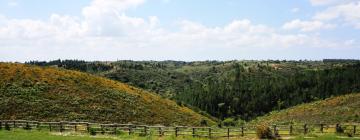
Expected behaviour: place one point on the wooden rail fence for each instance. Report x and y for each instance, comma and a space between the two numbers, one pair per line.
143, 130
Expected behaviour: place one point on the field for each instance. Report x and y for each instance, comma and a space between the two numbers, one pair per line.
20, 134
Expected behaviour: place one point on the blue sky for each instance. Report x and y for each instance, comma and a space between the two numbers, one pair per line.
179, 29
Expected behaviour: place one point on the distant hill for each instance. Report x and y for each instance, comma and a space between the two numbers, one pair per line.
238, 89
341, 109
53, 94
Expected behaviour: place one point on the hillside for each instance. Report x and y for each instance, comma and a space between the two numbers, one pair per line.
341, 109
237, 89
52, 94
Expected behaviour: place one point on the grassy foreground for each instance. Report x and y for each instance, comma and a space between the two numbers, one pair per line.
45, 135
19, 134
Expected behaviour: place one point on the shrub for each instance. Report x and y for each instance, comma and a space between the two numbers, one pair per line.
229, 122
92, 131
264, 132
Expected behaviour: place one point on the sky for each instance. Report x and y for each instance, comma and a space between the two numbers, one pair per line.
186, 30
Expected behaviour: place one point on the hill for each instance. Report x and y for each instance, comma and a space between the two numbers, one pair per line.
237, 89
341, 109
53, 94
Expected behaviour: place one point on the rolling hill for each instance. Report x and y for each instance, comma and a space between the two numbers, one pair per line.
341, 109
54, 94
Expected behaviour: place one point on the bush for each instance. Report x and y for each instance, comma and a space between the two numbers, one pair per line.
264, 132
229, 122
92, 131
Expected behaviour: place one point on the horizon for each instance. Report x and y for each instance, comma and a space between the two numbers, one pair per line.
178, 30
239, 60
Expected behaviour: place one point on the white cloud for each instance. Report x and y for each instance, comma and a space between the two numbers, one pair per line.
307, 26
350, 42
295, 10
348, 13
13, 3
329, 2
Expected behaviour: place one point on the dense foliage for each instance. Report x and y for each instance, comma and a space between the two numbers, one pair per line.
240, 89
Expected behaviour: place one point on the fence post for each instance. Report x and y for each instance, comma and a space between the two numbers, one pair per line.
14, 122
50, 126
176, 131
209, 132
242, 131
61, 127
115, 128
75, 127
228, 132
102, 129
291, 129
0, 125
27, 125
160, 133
145, 130
38, 125
193, 131
130, 127
322, 128
275, 129
354, 129
88, 127
305, 129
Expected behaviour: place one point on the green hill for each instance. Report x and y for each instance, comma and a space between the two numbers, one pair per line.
52, 94
237, 89
341, 109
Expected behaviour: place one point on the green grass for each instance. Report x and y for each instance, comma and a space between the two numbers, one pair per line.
325, 137
41, 135
19, 134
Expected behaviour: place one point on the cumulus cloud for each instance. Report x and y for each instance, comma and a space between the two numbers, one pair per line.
307, 26
348, 13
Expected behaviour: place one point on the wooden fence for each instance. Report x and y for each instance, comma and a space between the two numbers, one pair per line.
210, 132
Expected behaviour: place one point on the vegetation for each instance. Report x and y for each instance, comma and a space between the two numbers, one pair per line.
43, 135
50, 94
231, 89
263, 132
341, 109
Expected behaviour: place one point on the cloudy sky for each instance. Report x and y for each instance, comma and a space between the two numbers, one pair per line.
179, 29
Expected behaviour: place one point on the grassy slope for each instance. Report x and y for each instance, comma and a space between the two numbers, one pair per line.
35, 93
339, 109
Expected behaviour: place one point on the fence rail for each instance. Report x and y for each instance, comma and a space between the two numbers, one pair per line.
210, 132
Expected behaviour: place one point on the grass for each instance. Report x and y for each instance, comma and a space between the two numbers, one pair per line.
19, 134
325, 137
